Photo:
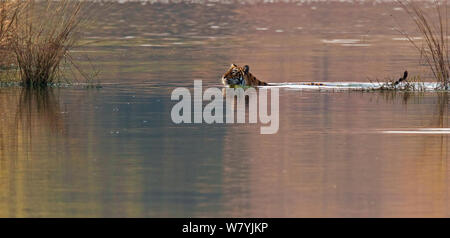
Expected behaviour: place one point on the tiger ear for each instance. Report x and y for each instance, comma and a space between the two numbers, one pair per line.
233, 65
246, 69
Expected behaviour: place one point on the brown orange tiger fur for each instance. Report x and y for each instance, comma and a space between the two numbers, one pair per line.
240, 76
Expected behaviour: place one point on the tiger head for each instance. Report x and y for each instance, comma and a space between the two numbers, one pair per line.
240, 76
235, 75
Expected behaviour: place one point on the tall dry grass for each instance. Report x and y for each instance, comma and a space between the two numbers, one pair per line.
8, 14
434, 30
45, 32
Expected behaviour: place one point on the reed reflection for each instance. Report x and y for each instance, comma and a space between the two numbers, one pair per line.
26, 114
39, 108
31, 122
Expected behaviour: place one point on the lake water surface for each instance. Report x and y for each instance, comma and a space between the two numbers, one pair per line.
115, 152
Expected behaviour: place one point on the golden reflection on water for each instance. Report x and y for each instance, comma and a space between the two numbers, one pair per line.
28, 115
26, 112
324, 162
46, 168
347, 170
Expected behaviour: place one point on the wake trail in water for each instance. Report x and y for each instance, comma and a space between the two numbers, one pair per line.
420, 131
344, 86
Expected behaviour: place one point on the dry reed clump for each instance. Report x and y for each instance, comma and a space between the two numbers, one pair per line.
434, 30
44, 33
8, 15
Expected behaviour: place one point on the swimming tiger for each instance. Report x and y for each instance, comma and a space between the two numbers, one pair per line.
240, 76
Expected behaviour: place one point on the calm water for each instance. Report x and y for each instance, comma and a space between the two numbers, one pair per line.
114, 152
